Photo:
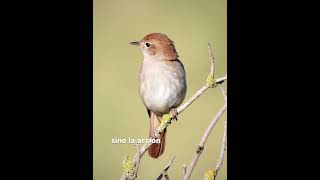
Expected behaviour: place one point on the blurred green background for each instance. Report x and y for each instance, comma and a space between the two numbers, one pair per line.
117, 109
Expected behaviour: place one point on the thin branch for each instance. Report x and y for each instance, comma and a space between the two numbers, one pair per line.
131, 176
223, 93
135, 175
204, 138
199, 93
184, 169
167, 118
212, 60
223, 149
165, 170
223, 144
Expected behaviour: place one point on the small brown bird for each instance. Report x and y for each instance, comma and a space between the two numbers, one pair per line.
162, 82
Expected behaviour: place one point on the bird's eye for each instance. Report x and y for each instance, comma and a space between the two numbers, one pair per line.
148, 44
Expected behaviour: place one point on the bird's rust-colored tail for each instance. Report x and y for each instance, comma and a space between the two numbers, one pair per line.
156, 149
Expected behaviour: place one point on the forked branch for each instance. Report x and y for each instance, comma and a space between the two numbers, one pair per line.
204, 138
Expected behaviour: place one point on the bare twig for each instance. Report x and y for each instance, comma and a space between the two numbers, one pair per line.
184, 169
211, 174
165, 170
167, 118
198, 94
135, 175
212, 60
223, 93
223, 149
224, 140
204, 138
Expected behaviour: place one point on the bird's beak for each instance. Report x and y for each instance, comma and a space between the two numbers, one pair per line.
136, 43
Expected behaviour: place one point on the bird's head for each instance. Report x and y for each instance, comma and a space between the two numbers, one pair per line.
157, 46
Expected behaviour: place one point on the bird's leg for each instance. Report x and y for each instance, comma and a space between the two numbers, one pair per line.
174, 114
153, 132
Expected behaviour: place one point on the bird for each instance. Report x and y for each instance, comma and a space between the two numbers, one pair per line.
162, 83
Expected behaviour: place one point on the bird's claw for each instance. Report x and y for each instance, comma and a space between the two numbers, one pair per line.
174, 114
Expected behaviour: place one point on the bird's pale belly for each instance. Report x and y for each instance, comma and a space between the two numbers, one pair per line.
160, 97
161, 93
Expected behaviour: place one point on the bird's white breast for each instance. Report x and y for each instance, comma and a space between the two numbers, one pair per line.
162, 86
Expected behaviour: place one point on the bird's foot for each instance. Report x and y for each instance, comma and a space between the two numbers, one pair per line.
174, 114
